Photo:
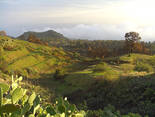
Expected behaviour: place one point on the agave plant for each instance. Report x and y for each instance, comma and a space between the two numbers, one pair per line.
15, 102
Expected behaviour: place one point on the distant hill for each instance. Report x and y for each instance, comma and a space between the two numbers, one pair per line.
44, 36
51, 37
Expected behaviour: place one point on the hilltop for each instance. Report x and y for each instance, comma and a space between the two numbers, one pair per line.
45, 36
52, 37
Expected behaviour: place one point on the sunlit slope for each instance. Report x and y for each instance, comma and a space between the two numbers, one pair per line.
29, 58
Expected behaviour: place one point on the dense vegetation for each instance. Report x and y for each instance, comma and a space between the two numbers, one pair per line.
15, 102
95, 75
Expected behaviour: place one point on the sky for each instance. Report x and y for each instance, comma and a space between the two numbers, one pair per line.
80, 19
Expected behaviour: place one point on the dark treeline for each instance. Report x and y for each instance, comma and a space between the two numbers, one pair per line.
103, 48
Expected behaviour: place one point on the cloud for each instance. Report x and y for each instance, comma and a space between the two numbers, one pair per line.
88, 19
93, 32
101, 32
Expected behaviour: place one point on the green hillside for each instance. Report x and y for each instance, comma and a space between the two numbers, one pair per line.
25, 58
126, 82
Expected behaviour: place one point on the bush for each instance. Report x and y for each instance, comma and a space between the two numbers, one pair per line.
127, 67
59, 74
109, 111
151, 61
143, 67
103, 67
111, 75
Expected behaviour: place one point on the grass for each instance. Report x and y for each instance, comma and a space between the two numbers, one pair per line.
29, 55
82, 75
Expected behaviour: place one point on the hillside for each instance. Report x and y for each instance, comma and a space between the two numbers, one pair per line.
126, 82
29, 59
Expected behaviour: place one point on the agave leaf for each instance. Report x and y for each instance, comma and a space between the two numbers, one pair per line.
32, 98
61, 108
26, 108
50, 110
4, 87
17, 95
24, 99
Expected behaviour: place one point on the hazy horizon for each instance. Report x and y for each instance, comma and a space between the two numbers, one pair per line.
89, 19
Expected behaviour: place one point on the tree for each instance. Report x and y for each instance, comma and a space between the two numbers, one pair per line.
131, 39
32, 38
3, 33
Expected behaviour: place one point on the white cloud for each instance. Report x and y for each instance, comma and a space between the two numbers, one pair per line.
92, 19
101, 32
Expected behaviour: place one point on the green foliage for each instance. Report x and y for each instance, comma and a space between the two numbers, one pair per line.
127, 67
17, 95
151, 61
4, 87
30, 106
109, 111
140, 66
111, 75
101, 68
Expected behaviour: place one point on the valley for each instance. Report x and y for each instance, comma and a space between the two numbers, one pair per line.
92, 83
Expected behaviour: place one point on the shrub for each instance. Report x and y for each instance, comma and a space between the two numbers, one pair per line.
127, 67
101, 68
151, 61
9, 46
143, 67
111, 75
59, 74
109, 111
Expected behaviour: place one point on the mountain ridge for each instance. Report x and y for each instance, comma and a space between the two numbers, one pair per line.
44, 36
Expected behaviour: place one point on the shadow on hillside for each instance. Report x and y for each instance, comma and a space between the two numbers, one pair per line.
64, 85
85, 83
128, 94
